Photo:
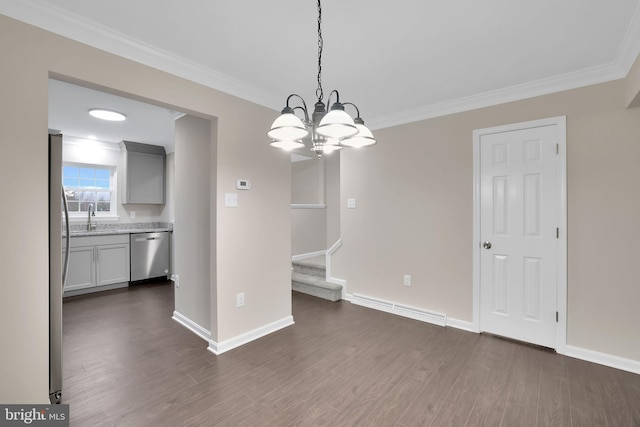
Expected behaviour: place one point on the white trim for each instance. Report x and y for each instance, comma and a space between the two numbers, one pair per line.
574, 80
300, 257
628, 365
415, 313
630, 47
60, 21
460, 324
230, 344
561, 123
333, 249
561, 330
308, 206
192, 326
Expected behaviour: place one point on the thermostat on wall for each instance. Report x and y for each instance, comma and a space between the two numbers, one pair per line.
243, 184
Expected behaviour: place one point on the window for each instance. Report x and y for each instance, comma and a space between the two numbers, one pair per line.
87, 185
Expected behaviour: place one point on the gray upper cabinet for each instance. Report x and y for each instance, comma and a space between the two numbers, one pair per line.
145, 173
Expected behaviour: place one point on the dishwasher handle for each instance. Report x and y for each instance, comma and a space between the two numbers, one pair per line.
144, 239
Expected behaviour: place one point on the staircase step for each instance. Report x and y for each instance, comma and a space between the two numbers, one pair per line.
315, 286
311, 266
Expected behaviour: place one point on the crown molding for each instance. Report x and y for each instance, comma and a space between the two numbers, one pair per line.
586, 77
61, 22
67, 24
630, 47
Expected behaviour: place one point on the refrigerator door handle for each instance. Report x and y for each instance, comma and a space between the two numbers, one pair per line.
68, 247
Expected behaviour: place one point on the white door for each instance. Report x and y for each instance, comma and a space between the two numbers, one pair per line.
519, 220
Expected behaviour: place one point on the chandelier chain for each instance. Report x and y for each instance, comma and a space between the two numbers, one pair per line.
319, 92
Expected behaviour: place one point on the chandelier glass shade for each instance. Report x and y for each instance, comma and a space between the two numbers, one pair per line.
337, 124
324, 131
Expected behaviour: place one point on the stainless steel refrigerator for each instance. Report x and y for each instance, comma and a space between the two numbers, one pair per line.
58, 264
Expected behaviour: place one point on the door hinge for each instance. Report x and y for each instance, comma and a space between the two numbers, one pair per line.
557, 148
556, 317
557, 232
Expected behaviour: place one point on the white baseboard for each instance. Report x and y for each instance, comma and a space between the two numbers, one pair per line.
621, 363
192, 326
219, 348
391, 307
415, 313
308, 255
461, 324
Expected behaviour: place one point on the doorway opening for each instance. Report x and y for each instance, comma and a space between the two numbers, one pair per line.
107, 149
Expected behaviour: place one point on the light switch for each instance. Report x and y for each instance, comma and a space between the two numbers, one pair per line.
351, 203
231, 200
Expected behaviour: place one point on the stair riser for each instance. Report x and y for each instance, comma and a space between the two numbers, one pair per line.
315, 291
311, 271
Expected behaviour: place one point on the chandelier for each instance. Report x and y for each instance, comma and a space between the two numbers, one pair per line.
328, 131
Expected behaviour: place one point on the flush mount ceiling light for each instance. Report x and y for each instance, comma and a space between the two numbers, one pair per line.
110, 115
329, 131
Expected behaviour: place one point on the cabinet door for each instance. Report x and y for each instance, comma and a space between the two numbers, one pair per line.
81, 272
145, 178
113, 264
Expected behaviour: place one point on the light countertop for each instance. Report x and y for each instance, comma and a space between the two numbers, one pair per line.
79, 230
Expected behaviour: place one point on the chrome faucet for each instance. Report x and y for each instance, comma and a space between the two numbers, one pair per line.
91, 212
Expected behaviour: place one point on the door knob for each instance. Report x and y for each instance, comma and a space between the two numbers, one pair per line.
486, 245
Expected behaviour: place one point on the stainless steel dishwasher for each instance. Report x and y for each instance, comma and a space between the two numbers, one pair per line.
149, 255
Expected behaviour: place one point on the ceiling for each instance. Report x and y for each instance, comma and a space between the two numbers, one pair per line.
69, 107
399, 61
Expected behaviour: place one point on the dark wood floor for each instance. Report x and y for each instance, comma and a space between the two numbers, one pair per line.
126, 363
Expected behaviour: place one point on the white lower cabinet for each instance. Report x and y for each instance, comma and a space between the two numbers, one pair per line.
82, 268
98, 261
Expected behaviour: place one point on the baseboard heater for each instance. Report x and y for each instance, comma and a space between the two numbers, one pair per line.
439, 319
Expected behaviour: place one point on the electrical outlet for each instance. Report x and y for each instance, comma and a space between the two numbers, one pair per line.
132, 214
407, 280
240, 299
